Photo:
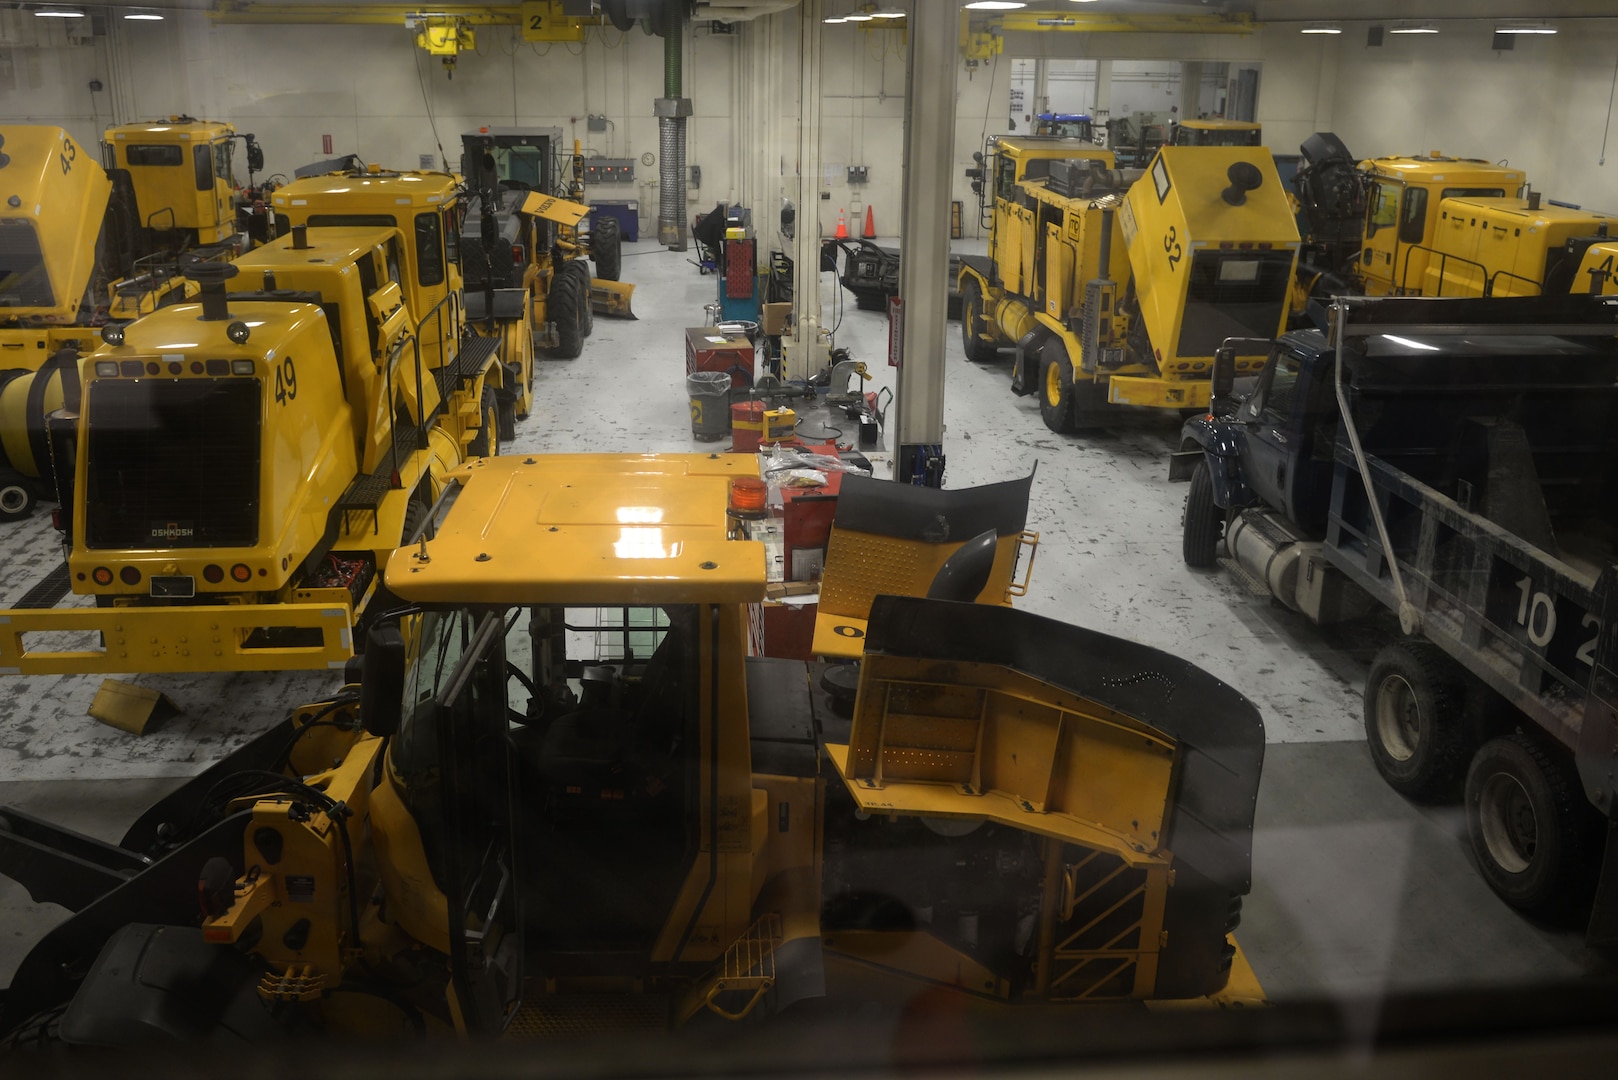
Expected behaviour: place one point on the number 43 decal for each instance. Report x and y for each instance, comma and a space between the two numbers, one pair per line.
286, 382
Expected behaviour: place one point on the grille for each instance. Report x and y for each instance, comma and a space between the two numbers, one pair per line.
172, 463
1221, 302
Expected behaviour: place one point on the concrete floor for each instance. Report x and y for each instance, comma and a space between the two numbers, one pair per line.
1355, 891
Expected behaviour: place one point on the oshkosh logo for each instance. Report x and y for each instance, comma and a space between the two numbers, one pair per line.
172, 531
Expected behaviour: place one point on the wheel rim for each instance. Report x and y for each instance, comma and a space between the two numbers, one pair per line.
492, 422
13, 499
1398, 718
1506, 819
1053, 383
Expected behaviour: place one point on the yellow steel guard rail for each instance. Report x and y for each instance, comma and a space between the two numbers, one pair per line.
151, 639
1159, 392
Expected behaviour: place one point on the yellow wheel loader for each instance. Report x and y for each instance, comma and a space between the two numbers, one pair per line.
565, 794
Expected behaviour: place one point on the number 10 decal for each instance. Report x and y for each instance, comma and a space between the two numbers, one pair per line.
1536, 614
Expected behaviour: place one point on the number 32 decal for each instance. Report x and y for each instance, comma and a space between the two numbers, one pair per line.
1171, 245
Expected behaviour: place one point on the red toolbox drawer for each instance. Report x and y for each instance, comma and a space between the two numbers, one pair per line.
709, 349
806, 515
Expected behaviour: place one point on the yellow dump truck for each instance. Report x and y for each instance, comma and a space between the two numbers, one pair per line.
564, 795
1116, 288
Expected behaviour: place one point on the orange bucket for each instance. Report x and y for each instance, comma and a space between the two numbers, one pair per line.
746, 426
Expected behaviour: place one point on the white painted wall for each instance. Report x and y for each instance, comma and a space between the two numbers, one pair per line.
1543, 106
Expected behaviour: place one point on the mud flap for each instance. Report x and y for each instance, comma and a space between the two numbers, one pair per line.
1025, 353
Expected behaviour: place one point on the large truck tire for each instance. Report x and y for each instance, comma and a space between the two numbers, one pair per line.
1413, 720
16, 495
1526, 818
587, 314
1055, 386
606, 247
565, 306
486, 443
1204, 521
973, 324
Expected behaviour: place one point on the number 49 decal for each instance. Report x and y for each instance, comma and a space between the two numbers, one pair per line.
286, 382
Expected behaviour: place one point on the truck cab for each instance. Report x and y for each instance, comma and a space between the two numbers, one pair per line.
184, 175
1402, 212
1275, 447
1065, 126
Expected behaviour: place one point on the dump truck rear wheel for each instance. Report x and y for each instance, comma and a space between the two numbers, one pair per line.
1527, 823
1055, 387
973, 324
1204, 520
606, 247
563, 305
1413, 723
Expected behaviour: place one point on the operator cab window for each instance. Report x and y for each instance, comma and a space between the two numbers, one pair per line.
429, 248
138, 155
222, 151
202, 163
1384, 207
1413, 218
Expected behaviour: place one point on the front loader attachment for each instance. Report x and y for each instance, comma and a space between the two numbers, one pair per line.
611, 298
1114, 782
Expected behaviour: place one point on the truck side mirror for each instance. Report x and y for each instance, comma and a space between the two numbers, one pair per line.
382, 679
1224, 372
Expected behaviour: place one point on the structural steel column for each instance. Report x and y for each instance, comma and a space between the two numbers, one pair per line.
929, 164
806, 356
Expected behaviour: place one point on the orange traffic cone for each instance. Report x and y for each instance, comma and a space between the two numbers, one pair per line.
842, 226
870, 225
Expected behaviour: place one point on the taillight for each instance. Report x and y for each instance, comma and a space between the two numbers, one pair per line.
213, 574
516, 254
130, 575
102, 575
241, 573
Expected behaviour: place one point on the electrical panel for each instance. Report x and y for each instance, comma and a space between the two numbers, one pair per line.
601, 170
596, 122
859, 174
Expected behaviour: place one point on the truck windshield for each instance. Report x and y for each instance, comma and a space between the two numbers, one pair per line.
23, 280
172, 463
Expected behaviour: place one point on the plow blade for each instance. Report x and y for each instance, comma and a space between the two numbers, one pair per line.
611, 298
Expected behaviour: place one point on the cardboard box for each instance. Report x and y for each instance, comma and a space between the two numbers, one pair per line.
776, 318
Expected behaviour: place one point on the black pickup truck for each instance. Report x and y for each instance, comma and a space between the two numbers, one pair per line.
1454, 462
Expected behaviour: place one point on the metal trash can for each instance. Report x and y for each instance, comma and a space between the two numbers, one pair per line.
710, 403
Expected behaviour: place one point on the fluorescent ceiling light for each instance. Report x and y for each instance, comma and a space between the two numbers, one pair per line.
858, 16
834, 19
144, 16
995, 5
1525, 29
1321, 29
1412, 28
58, 13
887, 14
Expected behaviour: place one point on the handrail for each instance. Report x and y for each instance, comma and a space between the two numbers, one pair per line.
1409, 614
1443, 261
